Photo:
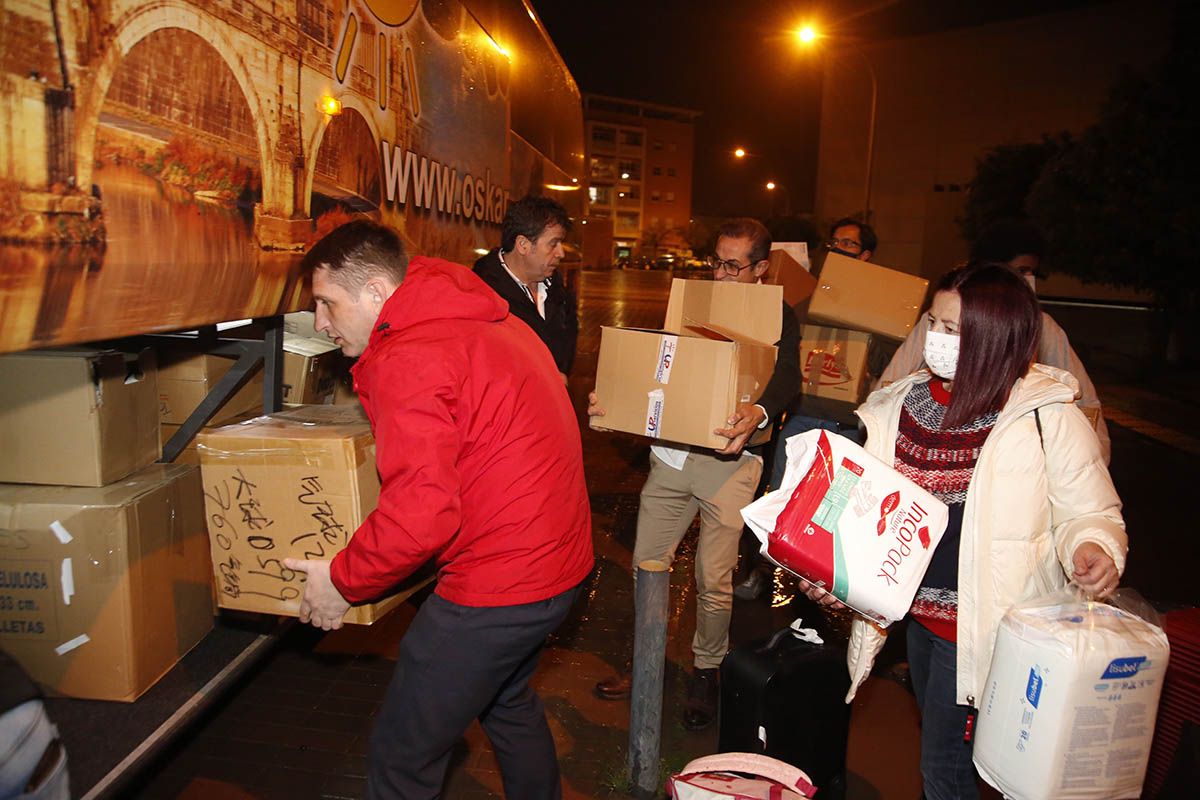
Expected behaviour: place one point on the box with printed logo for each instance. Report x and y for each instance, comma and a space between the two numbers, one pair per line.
833, 370
103, 590
679, 384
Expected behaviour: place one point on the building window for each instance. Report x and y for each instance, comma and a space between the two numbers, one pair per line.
311, 16
604, 136
657, 144
600, 195
670, 172
655, 196
630, 170
670, 222
656, 170
630, 221
603, 168
670, 197
629, 193
631, 138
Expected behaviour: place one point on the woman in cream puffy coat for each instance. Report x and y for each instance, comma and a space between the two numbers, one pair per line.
1040, 509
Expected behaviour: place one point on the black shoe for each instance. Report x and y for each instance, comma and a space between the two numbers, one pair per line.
616, 687
752, 586
701, 707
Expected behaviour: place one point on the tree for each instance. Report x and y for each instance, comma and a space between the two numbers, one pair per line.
1003, 178
1120, 205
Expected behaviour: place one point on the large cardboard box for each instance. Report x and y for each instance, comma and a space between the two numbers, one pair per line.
865, 296
784, 269
834, 377
294, 484
103, 589
189, 455
77, 417
185, 378
716, 350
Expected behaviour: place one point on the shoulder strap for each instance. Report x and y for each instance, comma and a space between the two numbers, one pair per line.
1037, 420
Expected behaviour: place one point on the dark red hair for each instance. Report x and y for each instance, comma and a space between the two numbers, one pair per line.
999, 325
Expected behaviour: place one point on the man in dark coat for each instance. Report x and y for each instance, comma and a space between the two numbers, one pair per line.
521, 271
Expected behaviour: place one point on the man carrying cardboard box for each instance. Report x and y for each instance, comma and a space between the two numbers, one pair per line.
521, 270
717, 483
853, 239
479, 456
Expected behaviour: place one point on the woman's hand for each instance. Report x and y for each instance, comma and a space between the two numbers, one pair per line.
1095, 571
820, 596
594, 409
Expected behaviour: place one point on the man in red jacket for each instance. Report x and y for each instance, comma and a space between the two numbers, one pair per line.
479, 455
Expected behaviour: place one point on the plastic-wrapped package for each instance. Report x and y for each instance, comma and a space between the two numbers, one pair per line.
1069, 706
847, 522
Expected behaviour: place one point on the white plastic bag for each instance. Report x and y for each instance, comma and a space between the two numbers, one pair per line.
1069, 706
847, 522
739, 776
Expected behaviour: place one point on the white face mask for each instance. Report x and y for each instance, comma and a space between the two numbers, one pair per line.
941, 354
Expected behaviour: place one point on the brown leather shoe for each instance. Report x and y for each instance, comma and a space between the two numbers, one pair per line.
615, 687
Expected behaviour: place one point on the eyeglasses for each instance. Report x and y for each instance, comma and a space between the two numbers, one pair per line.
731, 266
844, 244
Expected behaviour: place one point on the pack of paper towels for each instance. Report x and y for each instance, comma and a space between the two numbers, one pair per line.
1070, 702
847, 522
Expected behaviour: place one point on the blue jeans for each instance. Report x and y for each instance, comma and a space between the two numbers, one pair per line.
25, 733
794, 425
946, 768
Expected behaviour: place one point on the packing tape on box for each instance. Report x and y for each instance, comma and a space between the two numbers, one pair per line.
667, 344
654, 410
60, 530
71, 644
828, 357
68, 581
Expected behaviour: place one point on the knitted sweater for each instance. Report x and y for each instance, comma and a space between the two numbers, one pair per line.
942, 462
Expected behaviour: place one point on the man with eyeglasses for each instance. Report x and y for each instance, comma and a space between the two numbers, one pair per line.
1021, 246
715, 483
854, 239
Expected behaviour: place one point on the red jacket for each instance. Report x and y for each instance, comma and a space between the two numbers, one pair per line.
477, 447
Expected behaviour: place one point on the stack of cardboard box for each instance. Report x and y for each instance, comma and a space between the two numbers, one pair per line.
104, 576
857, 308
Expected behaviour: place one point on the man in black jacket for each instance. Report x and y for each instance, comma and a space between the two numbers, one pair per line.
521, 270
715, 483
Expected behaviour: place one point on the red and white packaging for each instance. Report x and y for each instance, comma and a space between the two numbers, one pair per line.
847, 522
739, 776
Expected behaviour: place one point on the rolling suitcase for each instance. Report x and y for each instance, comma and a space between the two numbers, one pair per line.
785, 698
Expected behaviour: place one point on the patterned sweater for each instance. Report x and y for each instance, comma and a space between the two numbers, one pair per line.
941, 462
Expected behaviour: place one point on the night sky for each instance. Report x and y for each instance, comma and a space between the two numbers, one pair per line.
738, 64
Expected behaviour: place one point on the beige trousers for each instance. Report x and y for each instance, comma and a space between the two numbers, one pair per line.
718, 487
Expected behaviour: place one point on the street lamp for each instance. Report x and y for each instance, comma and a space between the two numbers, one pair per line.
739, 153
808, 36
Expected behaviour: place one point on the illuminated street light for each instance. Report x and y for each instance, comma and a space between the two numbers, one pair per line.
739, 153
770, 186
624, 176
807, 36
330, 105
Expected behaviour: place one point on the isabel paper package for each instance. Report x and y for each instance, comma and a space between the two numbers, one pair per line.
847, 522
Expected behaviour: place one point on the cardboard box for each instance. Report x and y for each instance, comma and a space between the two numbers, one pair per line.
312, 364
102, 590
865, 296
77, 417
834, 376
680, 383
294, 484
185, 378
189, 455
784, 269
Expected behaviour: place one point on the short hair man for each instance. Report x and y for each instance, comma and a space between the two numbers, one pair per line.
717, 483
521, 270
1022, 247
851, 238
854, 239
502, 508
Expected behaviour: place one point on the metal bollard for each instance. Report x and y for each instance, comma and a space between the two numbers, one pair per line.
649, 655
